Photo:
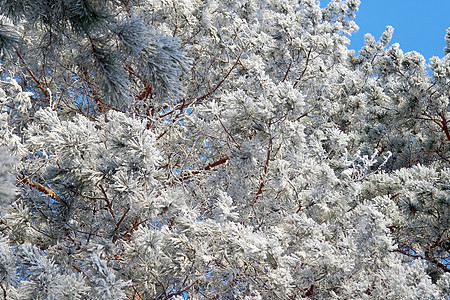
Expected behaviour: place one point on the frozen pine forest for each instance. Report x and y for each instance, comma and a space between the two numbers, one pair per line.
206, 149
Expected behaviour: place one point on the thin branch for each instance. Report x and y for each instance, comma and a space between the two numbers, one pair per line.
431, 260
186, 104
444, 125
287, 72
308, 57
134, 226
123, 217
4, 291
266, 169
36, 80
108, 203
43, 189
229, 134
79, 270
302, 116
205, 168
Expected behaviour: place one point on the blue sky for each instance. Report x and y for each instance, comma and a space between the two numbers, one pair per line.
419, 25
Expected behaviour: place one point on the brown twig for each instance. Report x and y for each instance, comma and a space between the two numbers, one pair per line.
4, 291
79, 270
108, 203
308, 57
123, 217
205, 168
444, 125
36, 80
287, 72
266, 169
43, 189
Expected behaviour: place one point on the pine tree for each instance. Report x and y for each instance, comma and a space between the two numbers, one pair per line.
218, 150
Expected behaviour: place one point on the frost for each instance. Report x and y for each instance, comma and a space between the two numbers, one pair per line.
218, 150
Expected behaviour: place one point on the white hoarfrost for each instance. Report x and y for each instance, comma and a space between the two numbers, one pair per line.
218, 150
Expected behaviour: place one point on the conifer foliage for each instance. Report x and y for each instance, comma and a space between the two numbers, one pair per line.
159, 149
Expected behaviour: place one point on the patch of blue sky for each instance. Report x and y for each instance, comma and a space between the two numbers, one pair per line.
418, 25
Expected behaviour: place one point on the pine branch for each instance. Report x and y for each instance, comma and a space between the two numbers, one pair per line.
431, 260
185, 104
195, 172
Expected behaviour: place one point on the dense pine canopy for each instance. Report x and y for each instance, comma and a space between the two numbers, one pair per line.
160, 149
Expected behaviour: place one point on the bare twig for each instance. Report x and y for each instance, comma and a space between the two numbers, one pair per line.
41, 188
108, 203
266, 169
36, 80
308, 57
